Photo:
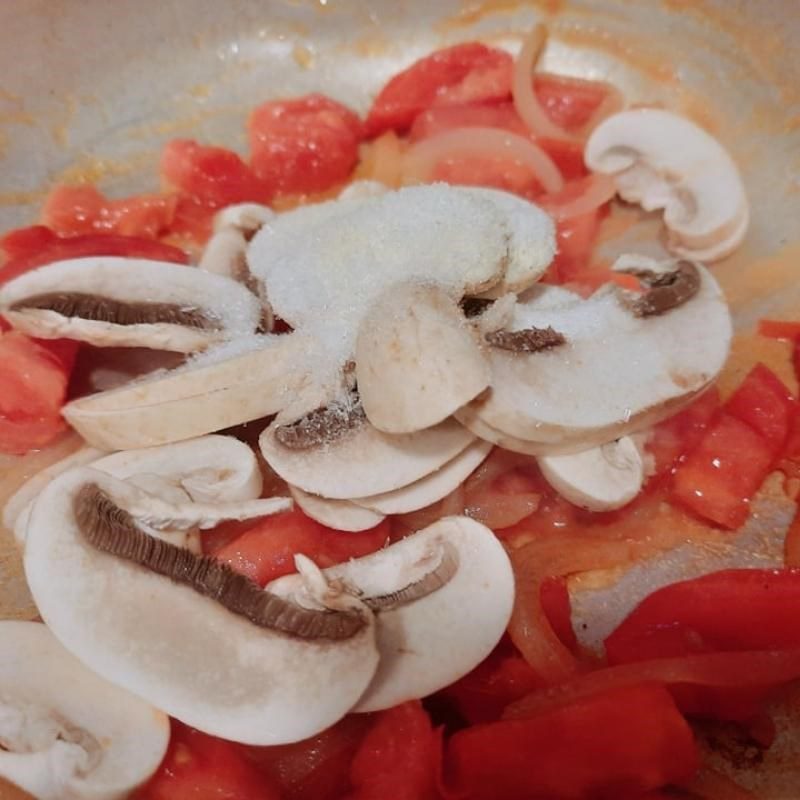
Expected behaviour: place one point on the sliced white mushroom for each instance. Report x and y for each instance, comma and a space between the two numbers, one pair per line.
246, 218
600, 479
109, 301
65, 732
342, 515
531, 245
224, 254
324, 265
663, 161
228, 386
417, 359
432, 487
362, 188
443, 598
619, 362
192, 637
363, 460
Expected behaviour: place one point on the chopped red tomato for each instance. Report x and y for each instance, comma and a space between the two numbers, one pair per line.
569, 102
267, 550
779, 329
202, 767
575, 239
74, 210
193, 220
29, 248
400, 757
765, 404
304, 145
673, 438
610, 745
214, 176
317, 768
33, 384
719, 477
458, 75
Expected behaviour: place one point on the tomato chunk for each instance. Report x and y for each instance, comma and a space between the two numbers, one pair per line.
569, 102
400, 757
719, 477
765, 404
267, 550
464, 73
609, 745
575, 238
33, 386
213, 175
29, 248
779, 329
202, 767
309, 144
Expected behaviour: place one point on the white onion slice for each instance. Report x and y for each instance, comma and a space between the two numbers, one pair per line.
599, 190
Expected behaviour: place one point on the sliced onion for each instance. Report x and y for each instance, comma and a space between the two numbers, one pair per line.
525, 101
596, 191
423, 157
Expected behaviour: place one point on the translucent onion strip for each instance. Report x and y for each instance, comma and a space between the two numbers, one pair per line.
597, 191
423, 157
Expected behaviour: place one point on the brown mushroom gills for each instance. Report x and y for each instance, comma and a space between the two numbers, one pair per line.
665, 290
323, 425
118, 312
529, 340
112, 530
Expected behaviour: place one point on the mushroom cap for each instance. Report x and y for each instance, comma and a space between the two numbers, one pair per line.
430, 642
324, 265
37, 673
602, 478
417, 359
224, 254
432, 487
227, 386
366, 461
617, 372
232, 309
342, 515
531, 245
227, 677
663, 161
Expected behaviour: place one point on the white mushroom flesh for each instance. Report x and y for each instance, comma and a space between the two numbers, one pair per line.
110, 301
665, 162
603, 478
224, 254
65, 732
431, 641
342, 515
184, 652
246, 218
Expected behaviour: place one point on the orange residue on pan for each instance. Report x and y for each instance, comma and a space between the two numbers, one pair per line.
202, 91
473, 12
21, 198
303, 56
747, 350
59, 129
92, 170
369, 45
618, 223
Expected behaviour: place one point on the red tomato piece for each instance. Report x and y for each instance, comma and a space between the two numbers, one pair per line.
719, 477
765, 404
202, 767
444, 118
25, 241
317, 768
609, 745
267, 550
673, 438
464, 73
400, 757
575, 239
779, 329
193, 219
212, 175
74, 210
42, 249
33, 385
569, 102
304, 145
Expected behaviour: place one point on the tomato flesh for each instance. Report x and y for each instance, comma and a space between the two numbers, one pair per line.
304, 145
609, 745
267, 550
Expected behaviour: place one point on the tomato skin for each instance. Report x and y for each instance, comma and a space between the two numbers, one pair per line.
34, 247
465, 73
214, 176
718, 478
33, 385
569, 102
267, 550
764, 403
778, 329
308, 144
575, 238
400, 757
202, 767
605, 746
